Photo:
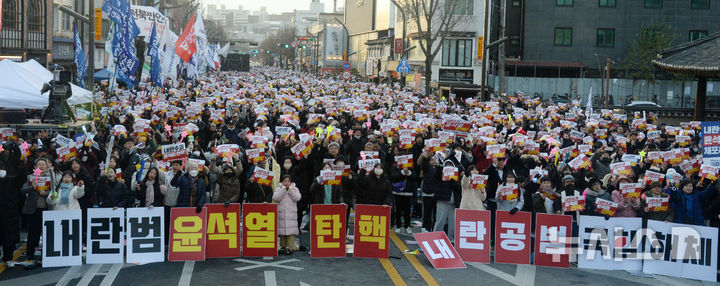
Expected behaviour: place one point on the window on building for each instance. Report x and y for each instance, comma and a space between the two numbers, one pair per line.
66, 22
563, 36
607, 3
653, 3
564, 2
700, 4
10, 14
697, 35
606, 38
461, 7
516, 3
457, 53
36, 19
515, 40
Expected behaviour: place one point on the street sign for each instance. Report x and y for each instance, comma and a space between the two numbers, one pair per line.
346, 75
314, 62
398, 46
294, 44
347, 66
403, 66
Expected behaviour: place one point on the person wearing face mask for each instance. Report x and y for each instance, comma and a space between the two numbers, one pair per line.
627, 207
601, 162
287, 196
374, 187
325, 194
688, 201
428, 163
67, 194
472, 199
257, 193
111, 192
355, 145
191, 187
655, 191
448, 195
594, 192
9, 214
228, 181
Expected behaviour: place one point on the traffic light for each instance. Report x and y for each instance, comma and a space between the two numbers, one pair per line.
267, 52
303, 47
310, 39
287, 46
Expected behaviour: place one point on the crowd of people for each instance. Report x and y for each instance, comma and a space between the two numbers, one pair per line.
394, 147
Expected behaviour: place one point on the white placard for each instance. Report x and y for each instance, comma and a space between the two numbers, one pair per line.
669, 239
62, 238
145, 235
598, 239
105, 235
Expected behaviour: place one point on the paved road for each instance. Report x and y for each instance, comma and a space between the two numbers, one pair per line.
299, 269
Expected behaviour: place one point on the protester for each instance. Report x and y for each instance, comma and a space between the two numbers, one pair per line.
287, 195
67, 194
655, 191
112, 191
448, 196
472, 199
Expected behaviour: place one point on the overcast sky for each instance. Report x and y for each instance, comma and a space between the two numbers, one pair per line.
274, 6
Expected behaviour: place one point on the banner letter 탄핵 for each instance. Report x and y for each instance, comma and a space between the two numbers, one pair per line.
372, 230
223, 231
259, 230
188, 232
327, 230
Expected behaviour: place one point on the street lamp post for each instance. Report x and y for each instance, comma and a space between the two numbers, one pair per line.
404, 35
347, 40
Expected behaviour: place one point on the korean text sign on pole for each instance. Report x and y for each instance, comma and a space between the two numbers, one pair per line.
472, 231
62, 238
512, 237
188, 231
259, 230
223, 231
327, 230
372, 230
711, 143
105, 239
145, 235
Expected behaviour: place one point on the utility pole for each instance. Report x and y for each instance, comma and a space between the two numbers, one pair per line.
91, 51
607, 81
484, 59
404, 44
501, 50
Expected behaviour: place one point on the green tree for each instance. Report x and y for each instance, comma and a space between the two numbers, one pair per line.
653, 37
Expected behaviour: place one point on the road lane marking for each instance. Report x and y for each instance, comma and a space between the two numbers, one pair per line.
414, 261
89, 275
259, 264
270, 279
110, 276
525, 275
493, 271
186, 273
392, 272
70, 274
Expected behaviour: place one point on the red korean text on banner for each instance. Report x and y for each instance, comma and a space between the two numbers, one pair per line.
255, 155
188, 231
404, 161
708, 172
651, 176
262, 176
438, 250
327, 230
605, 207
495, 151
657, 204
259, 230
552, 242
66, 152
630, 190
512, 237
573, 203
302, 148
478, 181
173, 152
508, 192
580, 162
223, 231
185, 46
472, 232
372, 230
331, 177
450, 174
227, 150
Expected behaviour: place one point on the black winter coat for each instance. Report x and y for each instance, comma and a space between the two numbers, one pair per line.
113, 194
374, 191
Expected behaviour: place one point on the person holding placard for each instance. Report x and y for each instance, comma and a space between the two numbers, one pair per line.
326, 194
191, 187
448, 195
36, 191
472, 198
374, 188
594, 192
230, 190
659, 209
510, 196
627, 206
66, 196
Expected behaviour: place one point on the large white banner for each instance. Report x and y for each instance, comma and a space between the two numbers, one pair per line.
681, 250
146, 235
62, 238
145, 16
105, 235
168, 58
334, 42
612, 244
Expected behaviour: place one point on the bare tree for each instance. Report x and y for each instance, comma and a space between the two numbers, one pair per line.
279, 44
434, 21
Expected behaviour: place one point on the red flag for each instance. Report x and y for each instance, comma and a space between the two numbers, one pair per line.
185, 46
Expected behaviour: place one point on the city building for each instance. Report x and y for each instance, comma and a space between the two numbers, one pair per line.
370, 25
571, 38
26, 31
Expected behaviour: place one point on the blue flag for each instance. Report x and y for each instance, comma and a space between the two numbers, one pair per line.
123, 43
155, 69
80, 61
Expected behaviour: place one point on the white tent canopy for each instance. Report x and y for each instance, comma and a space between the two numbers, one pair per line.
20, 85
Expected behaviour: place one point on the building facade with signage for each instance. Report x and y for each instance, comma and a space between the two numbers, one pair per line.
26, 31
